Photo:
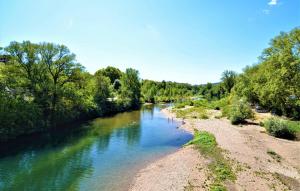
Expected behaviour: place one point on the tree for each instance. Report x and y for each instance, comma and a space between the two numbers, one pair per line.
43, 86
62, 68
149, 90
131, 87
274, 82
102, 92
111, 72
24, 66
228, 80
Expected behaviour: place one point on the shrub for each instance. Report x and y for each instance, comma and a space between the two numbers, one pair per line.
201, 103
180, 105
239, 111
203, 115
280, 128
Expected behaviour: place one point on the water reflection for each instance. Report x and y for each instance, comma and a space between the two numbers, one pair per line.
93, 156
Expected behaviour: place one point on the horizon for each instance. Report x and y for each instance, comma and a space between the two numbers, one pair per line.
188, 42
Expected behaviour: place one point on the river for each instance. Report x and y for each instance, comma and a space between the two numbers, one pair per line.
103, 154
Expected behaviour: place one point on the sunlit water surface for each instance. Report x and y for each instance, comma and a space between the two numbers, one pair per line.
103, 154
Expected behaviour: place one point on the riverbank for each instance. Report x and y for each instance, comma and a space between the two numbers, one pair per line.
260, 161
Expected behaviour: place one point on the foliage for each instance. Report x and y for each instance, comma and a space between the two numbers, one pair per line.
43, 86
114, 75
179, 105
131, 87
193, 112
204, 141
228, 80
153, 91
238, 111
274, 82
212, 92
215, 104
280, 128
102, 92
18, 116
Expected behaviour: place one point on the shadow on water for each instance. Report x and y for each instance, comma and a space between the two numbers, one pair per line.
69, 134
94, 151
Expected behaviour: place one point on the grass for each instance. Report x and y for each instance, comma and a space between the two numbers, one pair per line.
193, 112
219, 167
294, 125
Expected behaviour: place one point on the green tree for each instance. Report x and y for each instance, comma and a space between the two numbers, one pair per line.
131, 87
62, 69
228, 80
111, 72
43, 86
103, 92
274, 82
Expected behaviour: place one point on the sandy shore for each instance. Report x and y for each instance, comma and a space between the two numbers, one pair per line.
246, 146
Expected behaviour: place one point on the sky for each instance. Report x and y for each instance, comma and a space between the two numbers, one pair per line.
191, 41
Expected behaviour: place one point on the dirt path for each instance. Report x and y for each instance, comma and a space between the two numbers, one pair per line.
248, 148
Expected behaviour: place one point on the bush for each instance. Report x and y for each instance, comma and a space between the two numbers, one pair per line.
201, 103
280, 128
239, 111
180, 105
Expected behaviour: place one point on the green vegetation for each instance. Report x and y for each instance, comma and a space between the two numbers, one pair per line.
228, 80
154, 92
219, 165
282, 128
193, 112
273, 83
239, 111
43, 86
274, 155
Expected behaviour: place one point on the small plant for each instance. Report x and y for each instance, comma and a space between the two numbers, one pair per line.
180, 105
219, 166
203, 116
239, 111
280, 128
217, 187
274, 155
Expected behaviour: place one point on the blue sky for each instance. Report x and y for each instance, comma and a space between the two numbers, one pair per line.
190, 41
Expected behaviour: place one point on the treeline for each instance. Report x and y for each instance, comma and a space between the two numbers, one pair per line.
271, 85
154, 92
43, 86
274, 83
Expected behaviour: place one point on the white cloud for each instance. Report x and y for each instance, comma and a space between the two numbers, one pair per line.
273, 2
266, 11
